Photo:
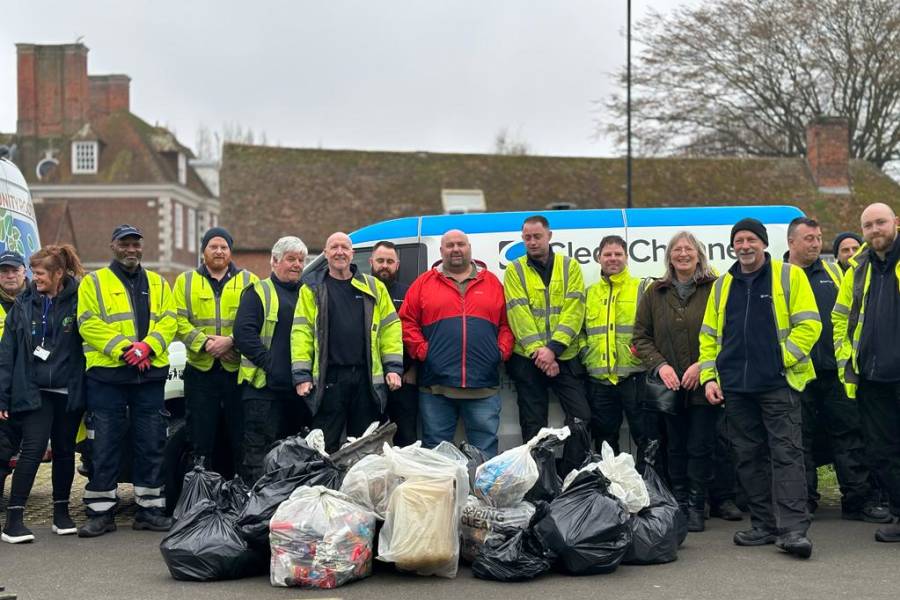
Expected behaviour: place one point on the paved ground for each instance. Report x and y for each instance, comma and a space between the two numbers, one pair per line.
846, 562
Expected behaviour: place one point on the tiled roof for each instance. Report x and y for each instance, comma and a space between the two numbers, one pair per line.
268, 192
131, 152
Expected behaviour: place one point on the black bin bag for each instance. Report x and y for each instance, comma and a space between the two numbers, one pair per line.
585, 530
233, 495
292, 450
513, 555
199, 484
204, 545
660, 528
474, 459
274, 488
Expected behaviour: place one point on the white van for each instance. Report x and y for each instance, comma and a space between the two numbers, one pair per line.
496, 240
18, 227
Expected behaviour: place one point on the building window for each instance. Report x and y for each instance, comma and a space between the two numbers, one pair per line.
462, 201
84, 157
182, 169
179, 226
192, 230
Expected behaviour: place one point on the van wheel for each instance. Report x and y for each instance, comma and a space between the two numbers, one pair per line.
176, 458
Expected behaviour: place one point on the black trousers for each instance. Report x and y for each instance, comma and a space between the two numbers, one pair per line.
879, 411
51, 422
403, 409
825, 405
724, 483
214, 407
347, 404
269, 415
533, 397
765, 429
691, 437
609, 402
10, 440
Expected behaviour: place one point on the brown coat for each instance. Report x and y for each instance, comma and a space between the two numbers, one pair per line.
667, 329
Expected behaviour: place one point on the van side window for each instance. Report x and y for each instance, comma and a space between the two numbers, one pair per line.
413, 258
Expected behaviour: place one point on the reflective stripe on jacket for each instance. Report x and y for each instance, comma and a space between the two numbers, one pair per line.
201, 313
796, 320
249, 372
610, 312
848, 315
309, 336
107, 322
538, 314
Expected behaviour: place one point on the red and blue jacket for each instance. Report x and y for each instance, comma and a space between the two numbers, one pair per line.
460, 340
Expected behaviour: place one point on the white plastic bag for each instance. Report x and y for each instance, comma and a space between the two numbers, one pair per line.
505, 479
421, 526
320, 538
626, 483
370, 482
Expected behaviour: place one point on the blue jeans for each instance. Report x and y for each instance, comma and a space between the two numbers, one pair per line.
114, 410
481, 419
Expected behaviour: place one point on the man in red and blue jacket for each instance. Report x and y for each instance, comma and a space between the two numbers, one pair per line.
454, 324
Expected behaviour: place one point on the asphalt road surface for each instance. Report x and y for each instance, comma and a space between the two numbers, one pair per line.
846, 562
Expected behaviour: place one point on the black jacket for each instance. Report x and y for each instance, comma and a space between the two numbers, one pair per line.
750, 359
22, 375
275, 360
825, 291
878, 357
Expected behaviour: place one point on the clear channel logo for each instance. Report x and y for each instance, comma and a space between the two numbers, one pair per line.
510, 250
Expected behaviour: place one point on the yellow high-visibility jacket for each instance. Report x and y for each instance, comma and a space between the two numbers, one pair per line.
201, 313
108, 325
796, 318
538, 314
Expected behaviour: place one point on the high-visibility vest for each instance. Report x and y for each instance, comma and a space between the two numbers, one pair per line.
796, 319
2, 320
538, 314
249, 372
107, 323
610, 311
848, 315
383, 333
202, 313
834, 272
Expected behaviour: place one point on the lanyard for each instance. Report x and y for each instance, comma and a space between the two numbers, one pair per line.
45, 325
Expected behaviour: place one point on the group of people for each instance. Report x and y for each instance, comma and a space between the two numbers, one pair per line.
734, 374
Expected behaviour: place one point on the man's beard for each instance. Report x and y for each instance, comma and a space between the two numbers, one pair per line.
385, 276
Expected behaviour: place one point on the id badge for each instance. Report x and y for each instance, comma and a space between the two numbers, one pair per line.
42, 353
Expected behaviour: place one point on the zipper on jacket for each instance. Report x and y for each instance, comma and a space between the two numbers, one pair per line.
218, 299
547, 312
746, 324
609, 365
468, 287
877, 300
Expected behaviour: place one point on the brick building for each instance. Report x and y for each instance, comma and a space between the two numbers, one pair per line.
270, 192
92, 164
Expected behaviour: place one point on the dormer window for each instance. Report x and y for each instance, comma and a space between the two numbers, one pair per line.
84, 157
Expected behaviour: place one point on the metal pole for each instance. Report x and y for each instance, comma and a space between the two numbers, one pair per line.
628, 201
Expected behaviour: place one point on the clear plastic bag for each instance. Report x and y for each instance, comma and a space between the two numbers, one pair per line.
421, 526
369, 482
481, 523
625, 481
320, 538
505, 479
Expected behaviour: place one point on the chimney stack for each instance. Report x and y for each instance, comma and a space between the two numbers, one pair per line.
828, 154
109, 94
53, 89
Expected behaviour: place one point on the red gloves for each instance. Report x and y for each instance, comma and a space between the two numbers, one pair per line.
138, 355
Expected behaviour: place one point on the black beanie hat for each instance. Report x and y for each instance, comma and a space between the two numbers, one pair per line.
840, 238
216, 232
753, 226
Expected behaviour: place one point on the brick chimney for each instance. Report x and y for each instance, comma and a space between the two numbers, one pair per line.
109, 94
828, 154
53, 89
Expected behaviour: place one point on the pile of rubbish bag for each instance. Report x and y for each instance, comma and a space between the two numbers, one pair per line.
319, 521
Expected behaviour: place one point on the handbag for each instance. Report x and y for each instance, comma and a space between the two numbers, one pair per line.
658, 397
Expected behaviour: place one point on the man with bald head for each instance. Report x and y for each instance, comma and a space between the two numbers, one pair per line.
454, 323
346, 345
866, 321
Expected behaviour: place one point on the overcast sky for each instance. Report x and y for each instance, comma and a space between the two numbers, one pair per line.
369, 74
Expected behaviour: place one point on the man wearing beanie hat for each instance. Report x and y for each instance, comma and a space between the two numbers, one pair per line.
760, 324
845, 245
206, 301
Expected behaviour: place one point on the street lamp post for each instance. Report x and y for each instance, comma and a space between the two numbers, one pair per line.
628, 200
